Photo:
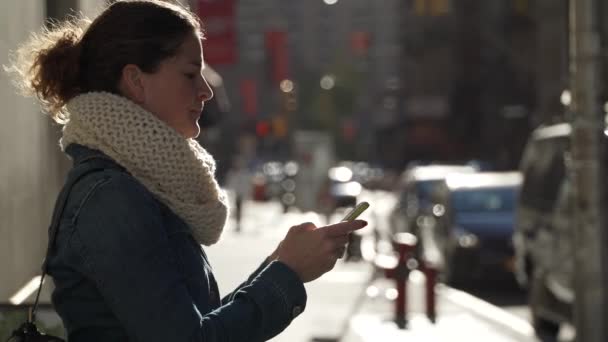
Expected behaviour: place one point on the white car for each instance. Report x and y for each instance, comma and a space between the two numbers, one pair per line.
543, 238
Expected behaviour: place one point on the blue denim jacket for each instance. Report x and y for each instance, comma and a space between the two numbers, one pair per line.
126, 268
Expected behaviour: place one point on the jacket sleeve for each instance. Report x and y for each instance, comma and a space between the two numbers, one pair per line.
125, 252
229, 297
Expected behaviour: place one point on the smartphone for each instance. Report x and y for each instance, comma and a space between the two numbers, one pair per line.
356, 211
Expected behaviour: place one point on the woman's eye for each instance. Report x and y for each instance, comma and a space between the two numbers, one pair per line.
190, 75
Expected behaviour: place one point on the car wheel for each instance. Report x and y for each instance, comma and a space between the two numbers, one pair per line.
544, 329
454, 272
540, 297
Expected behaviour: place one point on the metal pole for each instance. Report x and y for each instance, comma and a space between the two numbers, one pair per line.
401, 300
430, 271
588, 126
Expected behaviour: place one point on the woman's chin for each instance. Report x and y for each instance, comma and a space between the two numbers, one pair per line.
191, 132
194, 132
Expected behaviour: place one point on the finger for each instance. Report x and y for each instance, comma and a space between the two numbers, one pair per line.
329, 247
339, 240
342, 228
307, 226
331, 263
340, 252
334, 247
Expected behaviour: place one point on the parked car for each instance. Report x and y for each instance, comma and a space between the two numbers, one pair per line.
341, 191
471, 226
276, 180
415, 188
543, 230
341, 188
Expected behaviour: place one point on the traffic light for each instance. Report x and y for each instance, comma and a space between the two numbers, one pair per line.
262, 128
289, 101
279, 126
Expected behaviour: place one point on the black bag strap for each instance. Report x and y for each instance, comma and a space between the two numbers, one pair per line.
54, 227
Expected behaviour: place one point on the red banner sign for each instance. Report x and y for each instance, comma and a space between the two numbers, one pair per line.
218, 17
276, 45
249, 97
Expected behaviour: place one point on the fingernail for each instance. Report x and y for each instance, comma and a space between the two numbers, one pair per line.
362, 223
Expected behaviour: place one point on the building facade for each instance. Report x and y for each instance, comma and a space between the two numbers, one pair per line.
354, 45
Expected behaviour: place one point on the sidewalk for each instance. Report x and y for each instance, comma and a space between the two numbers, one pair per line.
460, 317
340, 310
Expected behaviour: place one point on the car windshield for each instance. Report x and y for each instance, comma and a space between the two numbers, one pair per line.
425, 189
484, 200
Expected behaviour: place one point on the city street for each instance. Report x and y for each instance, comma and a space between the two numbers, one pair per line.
347, 302
476, 132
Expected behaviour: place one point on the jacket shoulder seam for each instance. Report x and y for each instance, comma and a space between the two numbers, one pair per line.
109, 175
98, 183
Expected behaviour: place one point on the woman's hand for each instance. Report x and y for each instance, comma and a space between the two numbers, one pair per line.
311, 251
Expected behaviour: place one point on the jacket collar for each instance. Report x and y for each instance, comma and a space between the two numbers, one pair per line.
81, 154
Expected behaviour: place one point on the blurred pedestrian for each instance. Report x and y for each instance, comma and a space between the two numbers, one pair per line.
128, 262
239, 180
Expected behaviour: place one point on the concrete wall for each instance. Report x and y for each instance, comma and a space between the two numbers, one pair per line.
28, 178
91, 8
32, 167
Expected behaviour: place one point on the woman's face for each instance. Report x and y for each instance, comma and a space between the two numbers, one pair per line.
176, 92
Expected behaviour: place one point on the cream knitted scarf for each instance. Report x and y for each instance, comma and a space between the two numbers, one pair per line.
177, 170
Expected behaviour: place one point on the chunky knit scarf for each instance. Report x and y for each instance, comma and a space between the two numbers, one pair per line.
177, 170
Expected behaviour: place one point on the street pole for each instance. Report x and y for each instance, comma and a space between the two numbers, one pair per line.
588, 127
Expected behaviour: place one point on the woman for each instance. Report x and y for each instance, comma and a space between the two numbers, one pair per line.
128, 262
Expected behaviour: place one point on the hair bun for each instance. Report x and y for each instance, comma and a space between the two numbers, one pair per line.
56, 80
48, 66
63, 61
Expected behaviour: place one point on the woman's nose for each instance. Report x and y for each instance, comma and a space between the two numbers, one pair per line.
205, 92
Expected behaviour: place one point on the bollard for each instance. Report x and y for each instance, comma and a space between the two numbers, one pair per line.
430, 272
400, 274
399, 269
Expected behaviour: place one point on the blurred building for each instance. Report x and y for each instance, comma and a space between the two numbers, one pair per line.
405, 80
551, 59
342, 57
470, 76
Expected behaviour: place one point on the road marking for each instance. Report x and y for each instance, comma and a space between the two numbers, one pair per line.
487, 310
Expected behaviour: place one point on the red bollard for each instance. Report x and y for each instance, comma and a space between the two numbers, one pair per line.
400, 302
403, 244
430, 272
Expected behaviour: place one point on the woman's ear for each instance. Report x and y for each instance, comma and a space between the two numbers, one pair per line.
131, 83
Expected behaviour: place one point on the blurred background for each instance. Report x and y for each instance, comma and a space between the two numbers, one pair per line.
321, 104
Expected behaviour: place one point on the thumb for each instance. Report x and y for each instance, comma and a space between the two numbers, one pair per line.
307, 226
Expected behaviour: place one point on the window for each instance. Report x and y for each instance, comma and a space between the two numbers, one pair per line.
521, 6
433, 8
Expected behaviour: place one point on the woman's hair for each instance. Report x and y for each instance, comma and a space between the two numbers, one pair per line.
78, 56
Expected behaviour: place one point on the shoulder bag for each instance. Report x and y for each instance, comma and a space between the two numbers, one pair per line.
28, 331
